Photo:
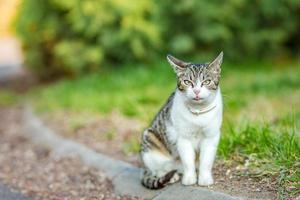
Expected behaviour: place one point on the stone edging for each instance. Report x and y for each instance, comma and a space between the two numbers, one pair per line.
125, 177
8, 194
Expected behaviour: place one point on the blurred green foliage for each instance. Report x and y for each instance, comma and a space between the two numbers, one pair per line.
73, 36
8, 98
76, 36
241, 28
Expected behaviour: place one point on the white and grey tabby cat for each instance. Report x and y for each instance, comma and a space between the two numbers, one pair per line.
187, 126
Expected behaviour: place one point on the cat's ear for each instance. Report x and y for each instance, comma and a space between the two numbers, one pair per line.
179, 66
215, 65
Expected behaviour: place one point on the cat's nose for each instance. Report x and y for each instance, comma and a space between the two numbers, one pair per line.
196, 91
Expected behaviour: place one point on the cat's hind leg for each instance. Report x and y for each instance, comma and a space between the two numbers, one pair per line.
160, 168
158, 163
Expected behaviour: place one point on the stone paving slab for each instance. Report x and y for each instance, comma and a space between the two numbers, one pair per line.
178, 191
7, 194
128, 183
125, 177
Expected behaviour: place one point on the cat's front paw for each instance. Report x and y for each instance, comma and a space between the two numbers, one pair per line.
205, 180
189, 179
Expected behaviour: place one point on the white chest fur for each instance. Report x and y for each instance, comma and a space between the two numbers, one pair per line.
191, 126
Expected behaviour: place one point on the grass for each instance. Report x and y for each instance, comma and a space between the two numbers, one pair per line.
133, 91
139, 91
261, 109
8, 98
267, 150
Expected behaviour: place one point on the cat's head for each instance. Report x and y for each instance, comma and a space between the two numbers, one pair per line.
198, 82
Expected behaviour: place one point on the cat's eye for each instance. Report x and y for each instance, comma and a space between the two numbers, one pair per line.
206, 82
188, 82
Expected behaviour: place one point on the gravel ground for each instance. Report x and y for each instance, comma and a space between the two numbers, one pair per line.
107, 135
230, 178
37, 173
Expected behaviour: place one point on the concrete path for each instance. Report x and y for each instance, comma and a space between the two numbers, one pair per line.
10, 58
10, 66
124, 176
8, 194
10, 52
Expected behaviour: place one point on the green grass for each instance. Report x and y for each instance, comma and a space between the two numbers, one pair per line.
134, 91
267, 150
8, 98
139, 91
261, 109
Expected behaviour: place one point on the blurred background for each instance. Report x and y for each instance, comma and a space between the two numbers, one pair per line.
74, 37
77, 62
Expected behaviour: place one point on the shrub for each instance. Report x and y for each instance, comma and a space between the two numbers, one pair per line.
74, 36
242, 28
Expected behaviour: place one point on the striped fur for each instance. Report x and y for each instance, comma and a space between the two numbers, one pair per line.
153, 182
156, 141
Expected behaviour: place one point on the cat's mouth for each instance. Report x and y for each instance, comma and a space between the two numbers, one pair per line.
197, 98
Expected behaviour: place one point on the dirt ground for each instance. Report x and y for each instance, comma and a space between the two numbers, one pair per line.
37, 173
230, 178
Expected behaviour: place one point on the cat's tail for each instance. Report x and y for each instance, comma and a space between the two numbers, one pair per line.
153, 182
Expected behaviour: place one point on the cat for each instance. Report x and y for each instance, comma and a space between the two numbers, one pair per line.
188, 125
